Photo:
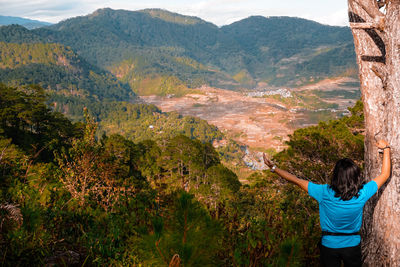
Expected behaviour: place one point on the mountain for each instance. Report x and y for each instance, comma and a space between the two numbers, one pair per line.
67, 78
281, 49
160, 48
27, 23
157, 51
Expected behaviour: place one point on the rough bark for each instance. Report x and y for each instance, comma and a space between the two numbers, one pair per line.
377, 42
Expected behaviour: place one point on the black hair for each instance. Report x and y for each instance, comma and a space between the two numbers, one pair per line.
346, 180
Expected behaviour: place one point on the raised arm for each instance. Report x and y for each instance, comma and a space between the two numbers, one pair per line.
303, 184
386, 164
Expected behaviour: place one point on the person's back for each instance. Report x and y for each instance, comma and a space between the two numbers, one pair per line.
341, 204
341, 207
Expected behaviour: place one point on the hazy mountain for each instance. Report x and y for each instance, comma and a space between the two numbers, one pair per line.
27, 23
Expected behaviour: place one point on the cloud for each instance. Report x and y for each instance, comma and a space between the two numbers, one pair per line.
219, 12
51, 11
339, 17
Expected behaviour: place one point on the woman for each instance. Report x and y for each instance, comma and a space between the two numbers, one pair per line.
341, 206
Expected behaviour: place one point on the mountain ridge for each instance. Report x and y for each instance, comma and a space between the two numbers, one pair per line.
256, 51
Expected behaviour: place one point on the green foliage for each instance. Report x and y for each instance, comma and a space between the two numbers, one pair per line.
270, 224
59, 70
14, 55
314, 151
141, 122
18, 34
172, 17
155, 71
26, 119
92, 204
111, 201
190, 233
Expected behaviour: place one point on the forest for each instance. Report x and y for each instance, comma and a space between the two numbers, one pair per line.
72, 196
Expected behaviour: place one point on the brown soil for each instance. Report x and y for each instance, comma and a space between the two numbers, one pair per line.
260, 123
257, 122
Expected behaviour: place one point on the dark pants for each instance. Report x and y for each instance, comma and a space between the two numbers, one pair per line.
332, 257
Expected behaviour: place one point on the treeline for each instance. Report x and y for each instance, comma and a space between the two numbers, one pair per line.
59, 70
137, 122
69, 198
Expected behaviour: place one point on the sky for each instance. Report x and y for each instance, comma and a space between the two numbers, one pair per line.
219, 12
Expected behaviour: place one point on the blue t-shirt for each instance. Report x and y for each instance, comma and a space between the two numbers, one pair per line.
340, 216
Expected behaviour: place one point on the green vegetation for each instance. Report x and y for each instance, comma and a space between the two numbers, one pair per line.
18, 34
68, 197
15, 55
172, 17
59, 70
139, 122
276, 50
245, 78
307, 100
161, 74
338, 93
314, 150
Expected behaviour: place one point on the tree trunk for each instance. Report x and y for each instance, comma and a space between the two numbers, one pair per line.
376, 35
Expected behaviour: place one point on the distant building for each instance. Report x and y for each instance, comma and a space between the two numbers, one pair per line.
283, 92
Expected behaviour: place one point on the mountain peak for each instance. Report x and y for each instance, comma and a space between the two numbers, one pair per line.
172, 17
101, 11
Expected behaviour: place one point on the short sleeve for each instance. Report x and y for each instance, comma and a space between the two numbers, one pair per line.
369, 189
316, 191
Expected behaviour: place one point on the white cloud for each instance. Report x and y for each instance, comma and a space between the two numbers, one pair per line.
339, 18
220, 12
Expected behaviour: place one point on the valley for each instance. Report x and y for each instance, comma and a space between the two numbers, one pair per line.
264, 122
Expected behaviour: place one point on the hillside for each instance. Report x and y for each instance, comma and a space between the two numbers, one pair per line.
275, 49
257, 51
57, 68
70, 81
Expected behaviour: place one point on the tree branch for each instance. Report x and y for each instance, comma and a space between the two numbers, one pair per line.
365, 25
159, 251
4, 150
372, 8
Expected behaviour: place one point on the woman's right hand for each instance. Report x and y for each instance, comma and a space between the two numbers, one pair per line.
382, 144
267, 161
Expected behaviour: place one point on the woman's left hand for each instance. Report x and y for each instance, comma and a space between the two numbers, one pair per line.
267, 161
382, 144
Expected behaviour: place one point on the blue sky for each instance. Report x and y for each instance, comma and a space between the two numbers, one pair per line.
219, 12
